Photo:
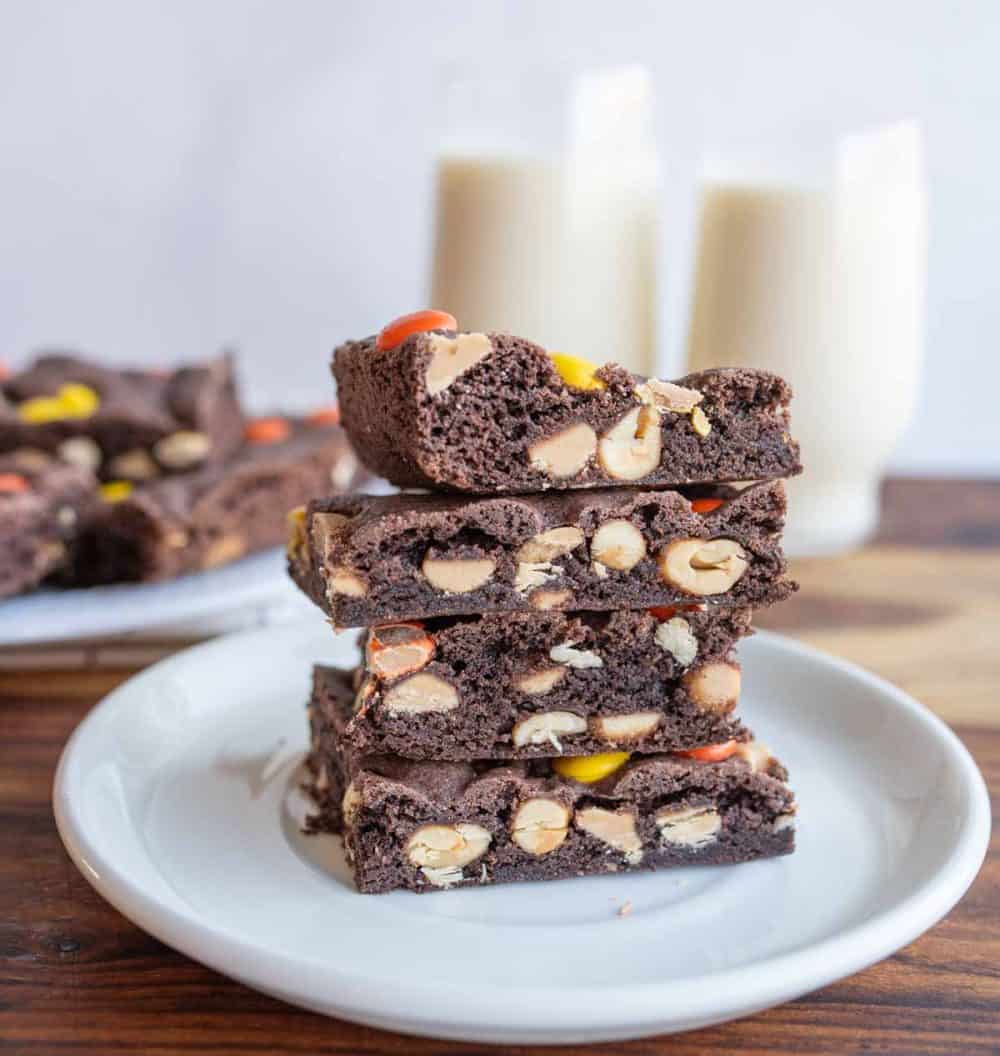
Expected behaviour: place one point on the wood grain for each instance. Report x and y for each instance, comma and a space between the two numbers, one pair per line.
926, 620
76, 977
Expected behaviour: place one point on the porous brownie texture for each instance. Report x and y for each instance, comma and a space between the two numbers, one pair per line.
217, 514
376, 559
39, 520
490, 413
430, 826
523, 685
145, 423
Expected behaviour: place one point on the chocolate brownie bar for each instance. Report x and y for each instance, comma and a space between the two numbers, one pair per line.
523, 685
368, 560
217, 514
123, 424
491, 412
42, 503
427, 826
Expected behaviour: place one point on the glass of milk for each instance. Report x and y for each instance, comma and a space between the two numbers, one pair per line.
812, 263
546, 211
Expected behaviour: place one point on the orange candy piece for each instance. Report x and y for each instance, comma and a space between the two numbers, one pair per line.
12, 483
375, 643
396, 332
267, 430
706, 505
711, 753
325, 416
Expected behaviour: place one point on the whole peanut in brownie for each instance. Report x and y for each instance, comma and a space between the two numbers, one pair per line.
368, 560
42, 504
523, 685
217, 514
491, 412
429, 826
123, 424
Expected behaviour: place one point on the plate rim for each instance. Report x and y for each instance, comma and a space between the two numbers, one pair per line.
265, 588
482, 1012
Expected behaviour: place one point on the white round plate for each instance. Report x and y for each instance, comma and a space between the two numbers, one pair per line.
49, 616
178, 799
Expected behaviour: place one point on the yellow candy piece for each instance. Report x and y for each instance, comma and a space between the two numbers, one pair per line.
590, 768
116, 490
78, 401
576, 372
71, 401
41, 409
296, 521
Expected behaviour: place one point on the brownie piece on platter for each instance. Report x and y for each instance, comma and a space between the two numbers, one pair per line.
217, 514
43, 503
123, 424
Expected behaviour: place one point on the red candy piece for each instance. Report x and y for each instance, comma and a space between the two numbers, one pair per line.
325, 416
668, 612
267, 431
415, 323
12, 483
706, 505
711, 753
4, 371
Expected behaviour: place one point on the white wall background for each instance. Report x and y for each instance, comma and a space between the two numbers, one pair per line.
181, 174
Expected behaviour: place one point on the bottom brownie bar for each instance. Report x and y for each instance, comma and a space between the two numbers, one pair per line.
427, 826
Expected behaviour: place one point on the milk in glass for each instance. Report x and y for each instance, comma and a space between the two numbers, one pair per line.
823, 285
547, 215
501, 244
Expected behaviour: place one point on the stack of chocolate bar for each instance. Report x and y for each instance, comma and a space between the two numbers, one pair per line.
121, 475
547, 684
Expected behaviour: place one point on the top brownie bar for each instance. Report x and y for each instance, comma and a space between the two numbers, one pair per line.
123, 424
490, 412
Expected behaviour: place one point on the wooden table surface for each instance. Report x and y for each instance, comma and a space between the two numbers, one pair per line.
921, 606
